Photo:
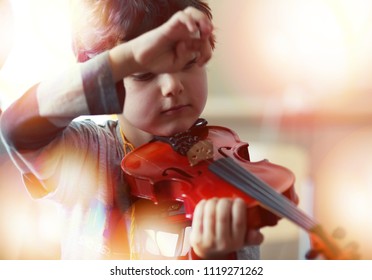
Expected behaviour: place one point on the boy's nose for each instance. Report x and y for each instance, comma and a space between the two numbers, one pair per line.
171, 84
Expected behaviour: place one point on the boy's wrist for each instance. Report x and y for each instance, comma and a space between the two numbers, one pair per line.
122, 61
102, 94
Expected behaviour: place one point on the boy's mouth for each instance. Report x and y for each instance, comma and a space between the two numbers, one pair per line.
175, 109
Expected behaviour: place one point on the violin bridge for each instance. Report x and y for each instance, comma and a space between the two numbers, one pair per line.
202, 150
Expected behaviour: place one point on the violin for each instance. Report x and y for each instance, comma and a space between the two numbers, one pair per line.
211, 161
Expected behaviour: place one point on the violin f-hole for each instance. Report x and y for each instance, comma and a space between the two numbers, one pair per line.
177, 170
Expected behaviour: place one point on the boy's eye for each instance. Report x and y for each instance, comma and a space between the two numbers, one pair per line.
190, 64
143, 76
148, 75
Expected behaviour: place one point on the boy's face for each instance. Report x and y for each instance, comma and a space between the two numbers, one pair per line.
165, 104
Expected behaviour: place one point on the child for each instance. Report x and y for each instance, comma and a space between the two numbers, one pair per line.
145, 61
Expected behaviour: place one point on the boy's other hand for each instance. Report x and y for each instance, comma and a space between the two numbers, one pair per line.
220, 227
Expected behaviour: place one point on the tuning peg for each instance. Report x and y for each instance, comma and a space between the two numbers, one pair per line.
339, 233
353, 246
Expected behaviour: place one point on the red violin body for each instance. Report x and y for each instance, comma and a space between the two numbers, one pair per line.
157, 172
211, 161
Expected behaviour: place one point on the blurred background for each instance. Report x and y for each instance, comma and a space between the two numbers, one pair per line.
291, 77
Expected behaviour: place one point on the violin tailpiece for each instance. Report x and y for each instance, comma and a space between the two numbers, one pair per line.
202, 150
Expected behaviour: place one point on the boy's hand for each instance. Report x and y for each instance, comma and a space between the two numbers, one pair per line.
168, 48
220, 227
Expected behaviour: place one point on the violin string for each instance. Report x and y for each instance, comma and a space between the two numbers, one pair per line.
260, 191
273, 199
264, 194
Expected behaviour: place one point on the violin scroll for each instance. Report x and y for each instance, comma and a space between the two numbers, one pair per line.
326, 247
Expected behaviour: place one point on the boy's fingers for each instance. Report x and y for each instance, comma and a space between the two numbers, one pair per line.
209, 221
239, 222
200, 21
201, 49
197, 223
185, 53
205, 51
186, 20
223, 220
194, 21
254, 237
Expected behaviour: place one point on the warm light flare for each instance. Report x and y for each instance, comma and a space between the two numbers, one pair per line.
356, 208
321, 46
31, 228
161, 243
49, 226
42, 45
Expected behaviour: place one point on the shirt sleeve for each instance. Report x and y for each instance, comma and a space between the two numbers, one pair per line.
34, 124
48, 107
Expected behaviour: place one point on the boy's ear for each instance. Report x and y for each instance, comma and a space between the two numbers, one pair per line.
82, 57
79, 52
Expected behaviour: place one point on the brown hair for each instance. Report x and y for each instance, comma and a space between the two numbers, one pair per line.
99, 25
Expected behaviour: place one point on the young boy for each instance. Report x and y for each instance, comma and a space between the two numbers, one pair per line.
143, 60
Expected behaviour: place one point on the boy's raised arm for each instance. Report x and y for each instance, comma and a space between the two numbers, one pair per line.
35, 119
94, 87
